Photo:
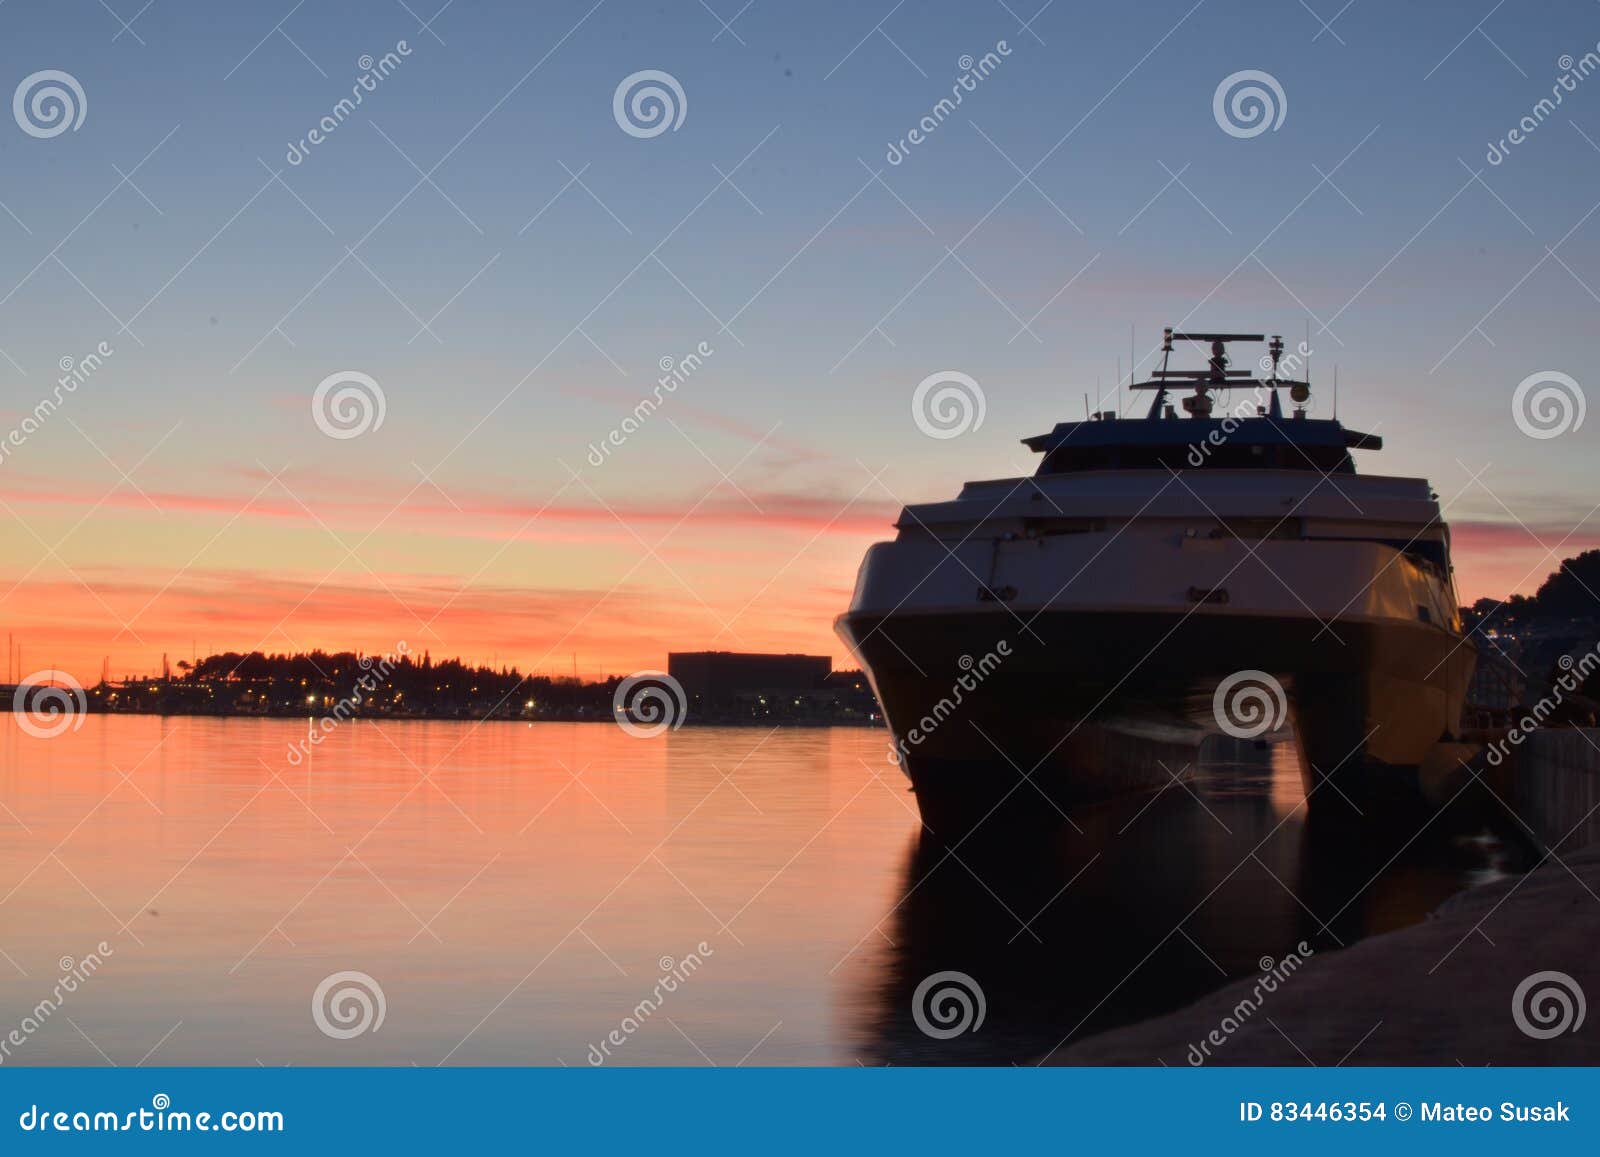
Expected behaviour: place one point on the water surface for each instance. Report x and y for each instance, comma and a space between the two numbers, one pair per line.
517, 891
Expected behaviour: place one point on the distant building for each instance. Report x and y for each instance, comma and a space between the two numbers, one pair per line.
728, 681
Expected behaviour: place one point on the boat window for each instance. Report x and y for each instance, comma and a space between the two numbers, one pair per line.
1067, 458
1256, 528
1432, 553
1048, 526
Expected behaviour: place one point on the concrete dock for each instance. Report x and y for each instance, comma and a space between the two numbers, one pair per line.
1442, 992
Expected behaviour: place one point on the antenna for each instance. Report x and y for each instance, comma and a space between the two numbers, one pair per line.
1335, 391
1161, 390
1308, 351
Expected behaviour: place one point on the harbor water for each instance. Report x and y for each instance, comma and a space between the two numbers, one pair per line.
550, 894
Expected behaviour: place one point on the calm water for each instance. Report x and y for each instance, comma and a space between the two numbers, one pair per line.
517, 891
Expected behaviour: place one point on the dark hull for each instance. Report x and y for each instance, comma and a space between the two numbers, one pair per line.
1080, 706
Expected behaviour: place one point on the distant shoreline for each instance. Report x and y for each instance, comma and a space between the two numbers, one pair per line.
428, 717
347, 686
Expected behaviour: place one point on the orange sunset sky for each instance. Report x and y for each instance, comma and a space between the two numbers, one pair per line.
616, 584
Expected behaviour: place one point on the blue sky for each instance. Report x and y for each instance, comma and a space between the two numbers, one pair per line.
551, 298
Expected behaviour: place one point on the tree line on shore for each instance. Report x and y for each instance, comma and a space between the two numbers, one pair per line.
298, 683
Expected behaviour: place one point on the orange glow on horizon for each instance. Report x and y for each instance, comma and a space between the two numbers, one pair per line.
512, 583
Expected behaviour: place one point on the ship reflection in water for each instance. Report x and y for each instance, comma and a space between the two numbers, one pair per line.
1139, 906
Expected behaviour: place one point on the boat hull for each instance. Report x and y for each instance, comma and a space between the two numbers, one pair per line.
998, 716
